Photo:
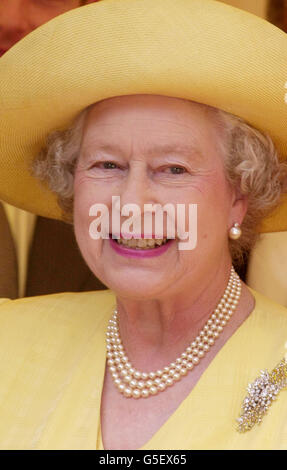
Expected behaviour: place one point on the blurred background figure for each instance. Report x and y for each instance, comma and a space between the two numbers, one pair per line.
19, 17
33, 249
277, 13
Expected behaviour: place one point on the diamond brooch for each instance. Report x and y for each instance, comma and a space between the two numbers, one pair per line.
261, 394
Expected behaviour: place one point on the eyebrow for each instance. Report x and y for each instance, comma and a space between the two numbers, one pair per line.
157, 150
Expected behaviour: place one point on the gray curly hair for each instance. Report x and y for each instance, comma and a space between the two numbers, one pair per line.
250, 159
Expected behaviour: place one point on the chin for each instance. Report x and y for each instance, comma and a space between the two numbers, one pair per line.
135, 289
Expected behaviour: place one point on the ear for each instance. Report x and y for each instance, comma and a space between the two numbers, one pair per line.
238, 208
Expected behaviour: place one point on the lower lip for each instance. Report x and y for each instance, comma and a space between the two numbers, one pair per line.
139, 253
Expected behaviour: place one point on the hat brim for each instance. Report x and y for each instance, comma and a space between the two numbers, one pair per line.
200, 50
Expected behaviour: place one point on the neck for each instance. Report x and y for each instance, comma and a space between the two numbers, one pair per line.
157, 330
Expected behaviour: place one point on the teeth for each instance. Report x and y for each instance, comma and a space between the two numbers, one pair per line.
142, 243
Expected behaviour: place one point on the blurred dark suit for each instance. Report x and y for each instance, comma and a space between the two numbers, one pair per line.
55, 263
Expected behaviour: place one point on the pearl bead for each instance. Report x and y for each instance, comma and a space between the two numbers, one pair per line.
195, 360
189, 365
161, 386
169, 381
153, 390
141, 384
133, 383
127, 392
136, 393
137, 375
144, 393
121, 387
127, 378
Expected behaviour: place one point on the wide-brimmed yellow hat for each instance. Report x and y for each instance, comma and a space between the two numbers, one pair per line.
201, 50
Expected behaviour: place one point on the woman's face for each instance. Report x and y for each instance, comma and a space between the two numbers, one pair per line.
154, 150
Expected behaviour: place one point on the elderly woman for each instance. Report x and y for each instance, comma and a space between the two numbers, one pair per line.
155, 96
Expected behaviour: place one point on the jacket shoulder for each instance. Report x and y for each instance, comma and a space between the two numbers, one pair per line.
62, 314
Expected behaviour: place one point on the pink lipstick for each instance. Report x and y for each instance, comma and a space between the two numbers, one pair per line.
139, 252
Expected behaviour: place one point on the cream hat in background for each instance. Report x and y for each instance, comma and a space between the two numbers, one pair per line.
201, 50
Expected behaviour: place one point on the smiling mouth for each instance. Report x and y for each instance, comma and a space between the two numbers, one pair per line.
142, 243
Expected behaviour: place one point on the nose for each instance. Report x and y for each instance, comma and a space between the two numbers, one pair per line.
14, 22
136, 188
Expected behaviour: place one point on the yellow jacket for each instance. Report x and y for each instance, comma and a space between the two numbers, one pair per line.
52, 363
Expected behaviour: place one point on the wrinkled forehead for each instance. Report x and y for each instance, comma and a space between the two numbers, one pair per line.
151, 118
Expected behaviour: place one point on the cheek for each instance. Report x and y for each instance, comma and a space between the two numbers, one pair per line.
214, 202
84, 198
86, 194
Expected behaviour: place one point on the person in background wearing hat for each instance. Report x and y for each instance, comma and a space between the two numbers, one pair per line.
154, 104
38, 256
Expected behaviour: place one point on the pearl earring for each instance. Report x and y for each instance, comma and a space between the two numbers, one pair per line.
235, 232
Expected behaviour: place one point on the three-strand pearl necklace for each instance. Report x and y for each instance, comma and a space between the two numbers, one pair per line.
135, 384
